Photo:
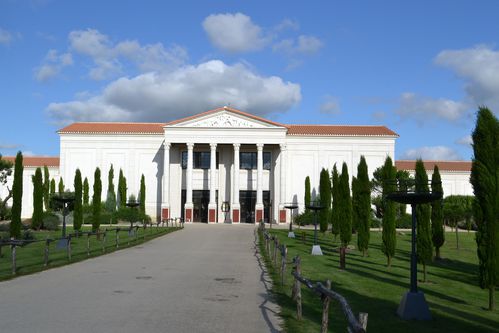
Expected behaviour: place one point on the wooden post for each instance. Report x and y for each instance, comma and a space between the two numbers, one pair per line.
325, 309
136, 233
284, 255
117, 237
276, 246
363, 320
69, 247
104, 242
88, 244
47, 243
13, 252
297, 289
267, 243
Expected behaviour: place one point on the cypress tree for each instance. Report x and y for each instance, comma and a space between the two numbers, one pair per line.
37, 216
142, 199
46, 187
86, 198
96, 201
17, 197
363, 206
325, 194
78, 209
52, 186
307, 193
485, 181
437, 214
111, 194
389, 211
355, 204
122, 189
423, 215
345, 213
335, 218
61, 185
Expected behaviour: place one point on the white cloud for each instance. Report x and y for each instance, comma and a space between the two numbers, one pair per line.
424, 109
5, 36
9, 146
287, 24
441, 153
234, 32
52, 65
306, 45
479, 68
330, 105
465, 140
187, 90
108, 57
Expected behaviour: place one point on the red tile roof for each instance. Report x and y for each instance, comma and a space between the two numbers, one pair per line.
340, 130
34, 161
442, 165
111, 128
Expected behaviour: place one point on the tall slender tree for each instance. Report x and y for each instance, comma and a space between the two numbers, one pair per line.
307, 193
142, 197
122, 189
111, 194
437, 215
325, 194
17, 197
52, 192
485, 181
389, 208
335, 217
423, 215
61, 185
96, 200
345, 213
355, 204
46, 187
78, 209
86, 197
363, 203
37, 216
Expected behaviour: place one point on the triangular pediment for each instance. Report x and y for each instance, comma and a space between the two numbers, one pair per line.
224, 118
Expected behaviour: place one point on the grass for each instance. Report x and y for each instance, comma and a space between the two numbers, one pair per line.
30, 258
456, 302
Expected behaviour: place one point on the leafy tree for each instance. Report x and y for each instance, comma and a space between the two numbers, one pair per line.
423, 215
61, 186
96, 200
345, 213
437, 215
122, 189
17, 197
457, 208
5, 171
111, 195
86, 198
485, 181
389, 234
363, 205
325, 194
78, 209
307, 193
142, 200
335, 217
46, 187
37, 217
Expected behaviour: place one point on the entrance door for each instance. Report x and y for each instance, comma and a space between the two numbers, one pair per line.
247, 200
200, 201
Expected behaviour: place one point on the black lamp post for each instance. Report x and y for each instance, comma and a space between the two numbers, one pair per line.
64, 198
132, 204
315, 206
291, 206
413, 304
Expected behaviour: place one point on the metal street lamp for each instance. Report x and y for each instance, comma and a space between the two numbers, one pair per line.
132, 204
315, 206
64, 198
291, 206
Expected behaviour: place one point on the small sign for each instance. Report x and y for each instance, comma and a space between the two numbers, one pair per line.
131, 232
62, 244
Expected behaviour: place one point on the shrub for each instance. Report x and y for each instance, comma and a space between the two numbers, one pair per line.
5, 213
305, 218
5, 227
51, 221
404, 221
128, 214
28, 235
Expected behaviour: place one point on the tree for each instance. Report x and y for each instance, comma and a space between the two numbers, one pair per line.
335, 218
437, 214
345, 213
86, 198
485, 182
423, 215
389, 234
78, 209
111, 195
37, 216
142, 198
96, 201
61, 185
307, 193
457, 208
402, 177
17, 197
5, 171
52, 186
325, 194
355, 204
363, 206
122, 189
46, 187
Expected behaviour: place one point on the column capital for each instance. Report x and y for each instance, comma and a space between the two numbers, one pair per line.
167, 145
213, 146
259, 146
190, 145
283, 146
236, 146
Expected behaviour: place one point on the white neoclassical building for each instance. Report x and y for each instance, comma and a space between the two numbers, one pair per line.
223, 165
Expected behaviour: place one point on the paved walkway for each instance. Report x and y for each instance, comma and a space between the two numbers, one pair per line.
200, 279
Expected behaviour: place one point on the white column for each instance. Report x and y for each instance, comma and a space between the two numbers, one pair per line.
259, 179
188, 183
235, 206
165, 213
282, 182
212, 206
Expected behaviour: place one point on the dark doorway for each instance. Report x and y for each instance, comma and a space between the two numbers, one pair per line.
247, 200
200, 201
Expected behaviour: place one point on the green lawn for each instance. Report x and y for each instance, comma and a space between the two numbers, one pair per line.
456, 302
30, 258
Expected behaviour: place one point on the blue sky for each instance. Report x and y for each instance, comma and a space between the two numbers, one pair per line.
421, 68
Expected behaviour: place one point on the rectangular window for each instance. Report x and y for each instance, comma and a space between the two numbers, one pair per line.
248, 160
200, 160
